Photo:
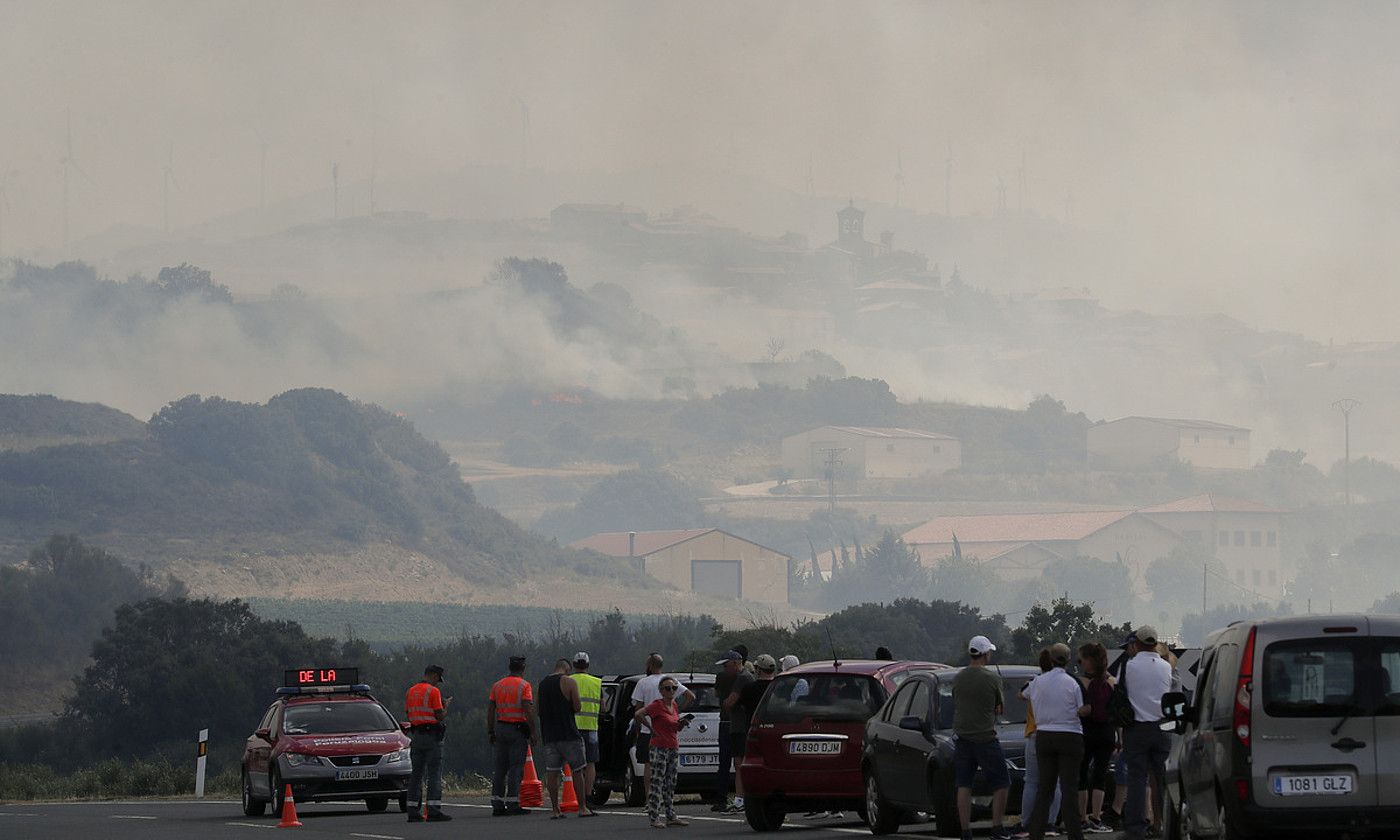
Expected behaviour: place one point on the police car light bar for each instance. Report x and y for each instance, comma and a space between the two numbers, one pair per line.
290, 690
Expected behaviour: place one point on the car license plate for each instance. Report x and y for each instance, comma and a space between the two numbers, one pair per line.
815, 747
700, 760
1324, 785
357, 775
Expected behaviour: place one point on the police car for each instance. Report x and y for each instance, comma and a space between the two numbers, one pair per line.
328, 738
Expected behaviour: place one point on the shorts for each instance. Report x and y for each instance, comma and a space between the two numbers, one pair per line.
590, 745
970, 755
737, 742
559, 753
643, 747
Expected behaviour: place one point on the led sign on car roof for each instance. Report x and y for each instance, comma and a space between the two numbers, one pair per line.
315, 677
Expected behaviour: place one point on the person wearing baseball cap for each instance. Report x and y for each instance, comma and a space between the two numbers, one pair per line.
590, 696
1146, 676
978, 702
426, 708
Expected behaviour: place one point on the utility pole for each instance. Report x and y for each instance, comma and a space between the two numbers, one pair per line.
1205, 577
1346, 405
948, 183
832, 462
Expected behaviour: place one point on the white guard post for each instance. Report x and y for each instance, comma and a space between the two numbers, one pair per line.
200, 762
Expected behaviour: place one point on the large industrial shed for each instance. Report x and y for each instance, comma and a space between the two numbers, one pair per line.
868, 452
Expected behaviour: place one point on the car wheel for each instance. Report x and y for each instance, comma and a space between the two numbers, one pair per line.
879, 813
600, 796
275, 787
764, 814
634, 791
377, 804
945, 803
252, 805
403, 802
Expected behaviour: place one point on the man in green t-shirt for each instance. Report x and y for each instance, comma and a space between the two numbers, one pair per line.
977, 706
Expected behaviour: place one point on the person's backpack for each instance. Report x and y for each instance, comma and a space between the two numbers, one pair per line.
1120, 708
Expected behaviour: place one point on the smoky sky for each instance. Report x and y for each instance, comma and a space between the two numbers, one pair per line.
1240, 157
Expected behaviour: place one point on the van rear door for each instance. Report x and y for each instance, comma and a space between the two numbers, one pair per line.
1313, 740
1385, 632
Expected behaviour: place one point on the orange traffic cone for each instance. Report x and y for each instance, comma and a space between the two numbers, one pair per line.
289, 811
570, 803
531, 788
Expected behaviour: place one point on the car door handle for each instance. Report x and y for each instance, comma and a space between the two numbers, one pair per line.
1348, 744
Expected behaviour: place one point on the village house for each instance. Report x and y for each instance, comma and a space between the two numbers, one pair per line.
704, 560
866, 452
1139, 442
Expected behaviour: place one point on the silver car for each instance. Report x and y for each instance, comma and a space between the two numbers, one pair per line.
1294, 729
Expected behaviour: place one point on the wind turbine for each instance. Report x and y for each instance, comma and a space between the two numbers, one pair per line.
168, 178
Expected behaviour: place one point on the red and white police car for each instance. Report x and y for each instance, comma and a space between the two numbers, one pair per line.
328, 738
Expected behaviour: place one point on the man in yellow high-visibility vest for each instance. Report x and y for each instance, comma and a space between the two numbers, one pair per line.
590, 695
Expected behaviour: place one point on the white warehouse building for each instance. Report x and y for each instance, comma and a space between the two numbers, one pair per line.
866, 452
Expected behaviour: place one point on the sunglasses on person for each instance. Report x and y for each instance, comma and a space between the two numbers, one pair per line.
670, 687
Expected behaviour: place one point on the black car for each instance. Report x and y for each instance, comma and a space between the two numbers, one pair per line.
618, 767
908, 757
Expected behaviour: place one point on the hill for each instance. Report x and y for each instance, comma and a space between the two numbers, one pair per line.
219, 485
35, 420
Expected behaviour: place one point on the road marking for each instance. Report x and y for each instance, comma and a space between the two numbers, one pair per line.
132, 817
19, 814
251, 825
378, 836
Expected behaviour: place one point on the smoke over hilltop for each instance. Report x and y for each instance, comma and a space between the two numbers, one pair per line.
1235, 157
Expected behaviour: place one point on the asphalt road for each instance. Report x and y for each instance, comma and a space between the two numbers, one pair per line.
219, 819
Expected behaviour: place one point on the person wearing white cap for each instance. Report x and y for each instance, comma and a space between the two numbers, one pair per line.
1146, 677
590, 695
978, 703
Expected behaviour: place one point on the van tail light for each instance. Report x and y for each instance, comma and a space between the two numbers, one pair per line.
1242, 789
1244, 687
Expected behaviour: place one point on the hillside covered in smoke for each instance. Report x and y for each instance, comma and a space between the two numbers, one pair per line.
214, 480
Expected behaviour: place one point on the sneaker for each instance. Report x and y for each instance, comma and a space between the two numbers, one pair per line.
836, 815
1052, 831
1021, 835
733, 809
1093, 826
813, 815
1000, 833
720, 807
676, 821
658, 823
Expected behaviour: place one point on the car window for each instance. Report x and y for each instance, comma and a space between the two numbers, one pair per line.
335, 718
1311, 678
899, 707
706, 698
1389, 677
1014, 710
919, 703
1204, 690
609, 698
266, 722
838, 697
1222, 687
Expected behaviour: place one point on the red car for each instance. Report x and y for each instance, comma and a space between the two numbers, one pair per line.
332, 742
807, 735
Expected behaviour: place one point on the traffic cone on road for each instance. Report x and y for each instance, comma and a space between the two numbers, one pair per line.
531, 788
289, 811
570, 803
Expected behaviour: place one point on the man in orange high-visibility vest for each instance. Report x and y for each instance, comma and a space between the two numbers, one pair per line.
510, 725
426, 709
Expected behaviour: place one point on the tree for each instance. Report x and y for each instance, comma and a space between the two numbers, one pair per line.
888, 571
934, 630
1106, 585
167, 668
961, 579
185, 279
775, 348
1284, 458
1175, 580
634, 500
1063, 621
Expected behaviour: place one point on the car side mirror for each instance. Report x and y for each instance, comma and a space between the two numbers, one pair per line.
1176, 709
405, 725
265, 734
911, 722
